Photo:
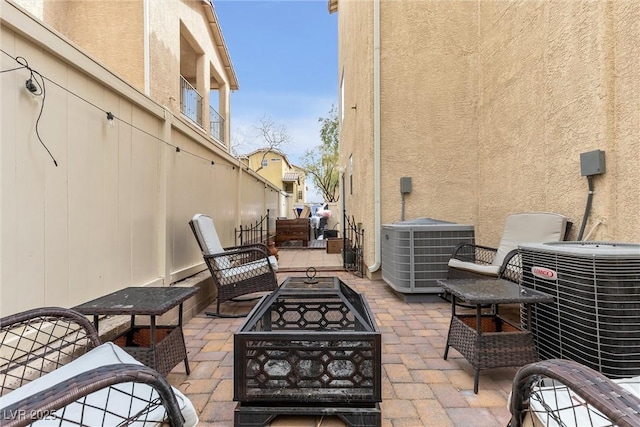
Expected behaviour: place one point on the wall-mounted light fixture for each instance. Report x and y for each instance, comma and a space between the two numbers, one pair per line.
110, 120
31, 86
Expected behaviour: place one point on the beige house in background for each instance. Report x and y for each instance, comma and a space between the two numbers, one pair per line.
274, 166
487, 107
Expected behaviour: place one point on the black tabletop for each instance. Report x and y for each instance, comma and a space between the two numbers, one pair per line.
492, 291
309, 284
138, 300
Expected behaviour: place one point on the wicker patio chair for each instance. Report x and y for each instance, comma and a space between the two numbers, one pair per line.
470, 261
54, 372
236, 270
564, 393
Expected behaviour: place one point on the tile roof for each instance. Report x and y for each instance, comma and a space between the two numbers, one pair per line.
290, 176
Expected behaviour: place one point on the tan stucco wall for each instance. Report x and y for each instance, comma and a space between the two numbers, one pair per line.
428, 122
111, 32
557, 78
355, 65
624, 31
487, 106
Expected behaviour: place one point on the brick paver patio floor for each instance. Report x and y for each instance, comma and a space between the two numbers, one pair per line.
419, 387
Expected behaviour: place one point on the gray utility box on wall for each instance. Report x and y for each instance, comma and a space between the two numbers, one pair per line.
415, 253
592, 163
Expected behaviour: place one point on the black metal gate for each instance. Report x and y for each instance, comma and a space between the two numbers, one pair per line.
353, 244
258, 232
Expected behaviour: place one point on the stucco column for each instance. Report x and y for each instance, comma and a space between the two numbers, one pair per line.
224, 100
202, 86
165, 261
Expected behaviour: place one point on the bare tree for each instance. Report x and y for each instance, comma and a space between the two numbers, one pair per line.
236, 145
274, 135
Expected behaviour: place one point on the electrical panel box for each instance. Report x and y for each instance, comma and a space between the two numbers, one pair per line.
405, 184
592, 163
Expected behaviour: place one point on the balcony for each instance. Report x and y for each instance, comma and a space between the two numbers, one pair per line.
190, 102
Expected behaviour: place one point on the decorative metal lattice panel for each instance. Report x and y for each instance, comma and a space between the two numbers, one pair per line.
308, 344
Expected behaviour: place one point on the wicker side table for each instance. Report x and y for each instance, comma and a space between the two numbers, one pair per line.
160, 347
488, 340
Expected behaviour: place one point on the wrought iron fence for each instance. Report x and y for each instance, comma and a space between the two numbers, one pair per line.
190, 101
353, 244
258, 232
216, 125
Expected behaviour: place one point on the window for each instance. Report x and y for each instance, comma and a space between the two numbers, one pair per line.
265, 163
299, 195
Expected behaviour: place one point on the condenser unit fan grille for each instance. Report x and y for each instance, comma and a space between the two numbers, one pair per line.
595, 318
415, 254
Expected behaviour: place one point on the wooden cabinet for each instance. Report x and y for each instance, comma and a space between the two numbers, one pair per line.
293, 229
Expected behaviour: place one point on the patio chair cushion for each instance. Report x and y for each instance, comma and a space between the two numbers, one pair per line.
208, 238
210, 242
103, 355
560, 401
250, 269
486, 269
530, 227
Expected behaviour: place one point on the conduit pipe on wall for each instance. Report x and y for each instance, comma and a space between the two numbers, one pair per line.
376, 136
587, 208
600, 222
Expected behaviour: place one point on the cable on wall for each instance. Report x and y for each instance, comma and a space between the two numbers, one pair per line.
35, 85
111, 118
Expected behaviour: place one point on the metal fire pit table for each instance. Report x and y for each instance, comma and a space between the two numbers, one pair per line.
310, 349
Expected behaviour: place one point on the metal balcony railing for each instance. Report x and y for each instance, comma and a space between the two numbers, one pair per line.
190, 101
216, 125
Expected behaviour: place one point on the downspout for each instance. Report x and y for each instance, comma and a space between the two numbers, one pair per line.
376, 137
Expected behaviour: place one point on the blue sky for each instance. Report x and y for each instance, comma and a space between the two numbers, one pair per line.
285, 57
